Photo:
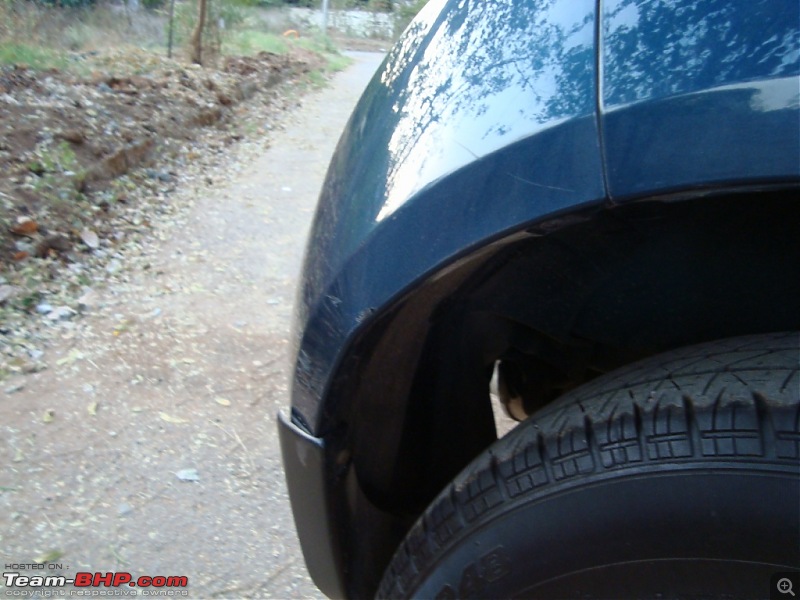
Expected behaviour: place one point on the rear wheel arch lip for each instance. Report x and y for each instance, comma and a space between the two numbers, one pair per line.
492, 205
485, 286
358, 317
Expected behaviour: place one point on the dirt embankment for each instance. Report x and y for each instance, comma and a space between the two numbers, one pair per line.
80, 156
64, 140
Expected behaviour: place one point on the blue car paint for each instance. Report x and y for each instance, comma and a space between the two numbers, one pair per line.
503, 95
490, 116
483, 117
699, 93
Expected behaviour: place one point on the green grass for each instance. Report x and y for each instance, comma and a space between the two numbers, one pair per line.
317, 43
42, 38
322, 44
252, 42
316, 79
35, 57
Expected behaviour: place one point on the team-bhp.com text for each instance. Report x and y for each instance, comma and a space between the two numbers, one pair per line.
93, 581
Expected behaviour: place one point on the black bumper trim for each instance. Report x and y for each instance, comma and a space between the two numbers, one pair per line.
304, 466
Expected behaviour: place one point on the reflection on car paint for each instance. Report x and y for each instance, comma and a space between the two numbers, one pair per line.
698, 93
515, 71
656, 49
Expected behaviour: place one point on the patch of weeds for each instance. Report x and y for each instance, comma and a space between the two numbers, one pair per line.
317, 43
118, 189
35, 57
317, 79
324, 46
58, 159
57, 177
29, 301
249, 128
252, 42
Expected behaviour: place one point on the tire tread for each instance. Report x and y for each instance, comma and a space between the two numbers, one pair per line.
727, 401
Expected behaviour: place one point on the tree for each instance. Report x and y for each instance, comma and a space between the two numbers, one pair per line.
197, 35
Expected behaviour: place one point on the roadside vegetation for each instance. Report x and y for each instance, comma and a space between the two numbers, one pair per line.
42, 35
104, 113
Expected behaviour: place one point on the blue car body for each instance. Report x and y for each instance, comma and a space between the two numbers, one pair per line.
569, 184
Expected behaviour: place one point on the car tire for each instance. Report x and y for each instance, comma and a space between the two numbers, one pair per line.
678, 476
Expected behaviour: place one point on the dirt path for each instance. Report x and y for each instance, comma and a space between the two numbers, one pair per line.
176, 375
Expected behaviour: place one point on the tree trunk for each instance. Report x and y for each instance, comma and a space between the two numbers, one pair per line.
197, 34
171, 27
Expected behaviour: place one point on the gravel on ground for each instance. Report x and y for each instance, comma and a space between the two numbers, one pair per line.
147, 442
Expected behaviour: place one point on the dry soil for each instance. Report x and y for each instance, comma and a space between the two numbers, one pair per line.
149, 443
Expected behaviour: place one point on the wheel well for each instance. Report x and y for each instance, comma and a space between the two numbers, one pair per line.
558, 304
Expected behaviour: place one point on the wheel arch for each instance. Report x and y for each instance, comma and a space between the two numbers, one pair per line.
568, 298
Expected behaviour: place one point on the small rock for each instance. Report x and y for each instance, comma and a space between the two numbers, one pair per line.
33, 367
90, 238
188, 475
61, 313
113, 266
88, 300
44, 308
15, 387
124, 509
159, 175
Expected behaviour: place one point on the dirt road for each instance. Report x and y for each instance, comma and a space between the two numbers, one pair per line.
149, 444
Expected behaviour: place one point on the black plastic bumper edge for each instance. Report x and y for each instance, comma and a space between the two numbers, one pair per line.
304, 466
